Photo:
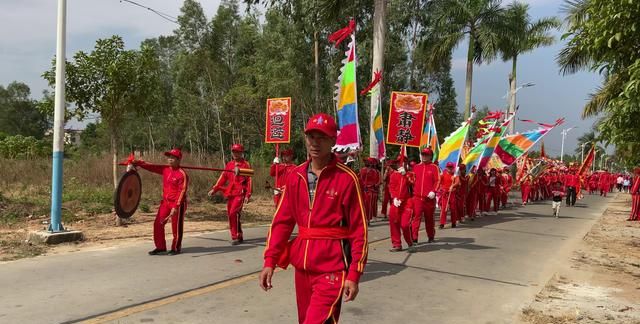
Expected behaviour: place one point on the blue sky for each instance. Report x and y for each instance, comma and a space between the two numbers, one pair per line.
27, 45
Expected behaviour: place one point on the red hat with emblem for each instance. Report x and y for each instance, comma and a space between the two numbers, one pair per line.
237, 148
427, 151
322, 123
175, 153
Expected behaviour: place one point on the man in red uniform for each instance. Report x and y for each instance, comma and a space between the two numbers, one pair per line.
635, 196
237, 190
462, 192
399, 216
370, 181
323, 198
448, 188
507, 183
279, 171
425, 186
494, 185
525, 188
571, 181
386, 197
174, 201
603, 183
472, 197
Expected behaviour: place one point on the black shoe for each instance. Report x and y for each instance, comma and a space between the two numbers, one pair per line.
395, 249
441, 226
173, 252
411, 249
241, 240
431, 240
235, 242
415, 241
157, 252
453, 225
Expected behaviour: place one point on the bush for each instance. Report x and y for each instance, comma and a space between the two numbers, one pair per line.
23, 147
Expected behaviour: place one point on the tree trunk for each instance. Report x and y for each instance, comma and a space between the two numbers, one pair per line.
469, 81
379, 28
512, 91
316, 58
114, 154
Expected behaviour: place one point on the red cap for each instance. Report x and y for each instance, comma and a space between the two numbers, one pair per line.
237, 148
449, 165
322, 123
462, 166
427, 151
175, 153
288, 152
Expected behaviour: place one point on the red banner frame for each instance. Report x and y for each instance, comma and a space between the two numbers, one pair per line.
278, 120
406, 118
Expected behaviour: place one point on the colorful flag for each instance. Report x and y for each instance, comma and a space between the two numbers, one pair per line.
496, 133
278, 121
452, 146
429, 136
512, 147
406, 118
346, 98
378, 129
473, 156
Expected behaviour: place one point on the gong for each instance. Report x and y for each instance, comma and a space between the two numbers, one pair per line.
127, 196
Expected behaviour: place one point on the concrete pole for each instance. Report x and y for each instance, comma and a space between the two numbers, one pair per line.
58, 121
379, 28
564, 134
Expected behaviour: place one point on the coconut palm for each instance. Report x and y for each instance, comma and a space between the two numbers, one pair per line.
479, 21
523, 35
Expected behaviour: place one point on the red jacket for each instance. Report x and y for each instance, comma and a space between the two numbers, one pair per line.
427, 179
369, 179
571, 180
282, 170
231, 184
174, 183
337, 203
399, 186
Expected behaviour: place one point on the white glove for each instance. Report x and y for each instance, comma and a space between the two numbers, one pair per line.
397, 202
276, 192
402, 170
131, 167
276, 160
431, 195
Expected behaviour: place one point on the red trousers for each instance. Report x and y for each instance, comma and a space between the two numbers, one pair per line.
524, 191
386, 198
504, 197
371, 204
472, 203
450, 200
461, 205
400, 222
423, 207
177, 226
603, 191
482, 200
234, 207
319, 296
493, 194
635, 207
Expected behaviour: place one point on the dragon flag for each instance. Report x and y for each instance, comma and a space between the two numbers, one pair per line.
346, 93
452, 147
429, 136
377, 130
512, 147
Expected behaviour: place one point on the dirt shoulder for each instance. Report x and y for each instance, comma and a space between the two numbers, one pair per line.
601, 282
100, 230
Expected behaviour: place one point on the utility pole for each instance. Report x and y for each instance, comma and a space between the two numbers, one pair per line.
564, 135
512, 100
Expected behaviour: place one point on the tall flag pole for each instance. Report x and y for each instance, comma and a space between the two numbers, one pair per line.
346, 93
429, 136
378, 149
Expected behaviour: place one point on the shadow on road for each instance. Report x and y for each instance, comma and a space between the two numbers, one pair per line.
213, 250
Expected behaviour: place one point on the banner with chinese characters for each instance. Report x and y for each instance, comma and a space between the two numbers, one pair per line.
406, 118
278, 128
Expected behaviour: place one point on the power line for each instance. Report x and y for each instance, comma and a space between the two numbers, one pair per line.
159, 13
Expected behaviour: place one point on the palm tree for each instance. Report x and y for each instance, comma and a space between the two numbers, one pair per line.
523, 35
453, 21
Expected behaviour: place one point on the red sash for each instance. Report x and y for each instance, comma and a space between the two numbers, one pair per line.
312, 233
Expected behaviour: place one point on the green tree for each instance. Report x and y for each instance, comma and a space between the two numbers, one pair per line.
477, 21
111, 81
523, 35
19, 114
602, 36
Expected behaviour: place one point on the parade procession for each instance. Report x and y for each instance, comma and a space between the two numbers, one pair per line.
320, 162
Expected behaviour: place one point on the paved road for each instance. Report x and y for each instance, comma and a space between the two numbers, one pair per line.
481, 272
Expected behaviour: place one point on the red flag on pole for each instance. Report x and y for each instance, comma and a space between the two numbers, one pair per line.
586, 164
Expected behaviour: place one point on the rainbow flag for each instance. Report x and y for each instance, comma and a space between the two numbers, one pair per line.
473, 156
378, 129
452, 146
493, 141
347, 102
429, 136
510, 148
